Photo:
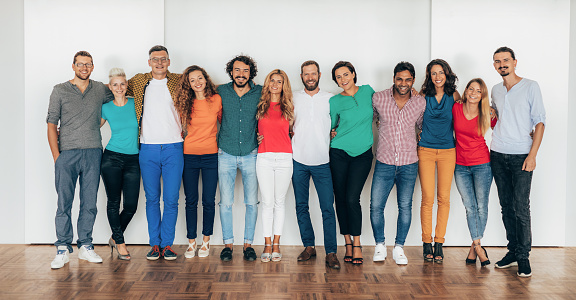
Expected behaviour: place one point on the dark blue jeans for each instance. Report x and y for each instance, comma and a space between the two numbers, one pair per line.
323, 184
71, 165
514, 192
208, 163
385, 176
121, 175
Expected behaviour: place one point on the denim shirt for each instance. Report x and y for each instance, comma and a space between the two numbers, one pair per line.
237, 135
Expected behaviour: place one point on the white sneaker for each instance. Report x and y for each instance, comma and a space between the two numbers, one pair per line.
61, 258
399, 257
379, 252
86, 252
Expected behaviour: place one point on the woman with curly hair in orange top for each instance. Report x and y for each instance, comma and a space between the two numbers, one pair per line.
200, 109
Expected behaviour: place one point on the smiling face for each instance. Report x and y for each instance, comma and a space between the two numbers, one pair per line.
403, 82
310, 77
345, 78
83, 72
118, 86
276, 84
473, 93
438, 76
240, 74
504, 63
197, 81
159, 62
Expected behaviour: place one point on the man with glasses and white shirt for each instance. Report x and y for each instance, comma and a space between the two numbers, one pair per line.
161, 149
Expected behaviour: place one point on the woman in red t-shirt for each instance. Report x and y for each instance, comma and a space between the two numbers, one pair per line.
473, 173
275, 116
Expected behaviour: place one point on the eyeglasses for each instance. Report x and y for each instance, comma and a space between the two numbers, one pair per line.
80, 65
159, 60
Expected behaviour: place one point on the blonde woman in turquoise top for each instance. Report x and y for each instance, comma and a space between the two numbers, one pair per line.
350, 153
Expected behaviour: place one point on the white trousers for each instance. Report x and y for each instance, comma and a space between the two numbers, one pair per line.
274, 171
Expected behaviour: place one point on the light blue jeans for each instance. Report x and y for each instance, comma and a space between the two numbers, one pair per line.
473, 183
385, 176
227, 168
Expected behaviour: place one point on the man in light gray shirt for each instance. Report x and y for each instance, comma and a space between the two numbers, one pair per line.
77, 149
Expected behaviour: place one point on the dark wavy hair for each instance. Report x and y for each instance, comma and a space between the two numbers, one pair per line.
505, 49
404, 66
185, 96
428, 87
245, 59
346, 64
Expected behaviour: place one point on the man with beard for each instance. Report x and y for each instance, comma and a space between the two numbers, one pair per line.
237, 150
161, 149
310, 147
77, 151
520, 108
400, 111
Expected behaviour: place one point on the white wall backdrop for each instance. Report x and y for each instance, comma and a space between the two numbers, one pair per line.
373, 35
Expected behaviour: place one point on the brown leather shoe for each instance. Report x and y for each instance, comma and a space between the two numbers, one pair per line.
308, 253
332, 261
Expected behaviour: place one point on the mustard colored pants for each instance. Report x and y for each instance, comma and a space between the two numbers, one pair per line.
444, 160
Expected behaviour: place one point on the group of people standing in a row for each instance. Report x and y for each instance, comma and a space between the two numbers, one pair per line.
274, 136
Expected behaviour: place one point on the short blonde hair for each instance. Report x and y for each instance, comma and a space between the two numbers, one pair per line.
116, 72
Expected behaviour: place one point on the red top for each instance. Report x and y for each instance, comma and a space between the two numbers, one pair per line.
275, 130
471, 147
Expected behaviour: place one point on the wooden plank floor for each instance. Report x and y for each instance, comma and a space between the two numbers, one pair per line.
25, 274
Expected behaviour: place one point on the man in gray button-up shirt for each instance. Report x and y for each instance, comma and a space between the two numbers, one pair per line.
237, 150
77, 105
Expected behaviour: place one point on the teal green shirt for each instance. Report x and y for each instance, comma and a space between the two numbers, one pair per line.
352, 118
124, 127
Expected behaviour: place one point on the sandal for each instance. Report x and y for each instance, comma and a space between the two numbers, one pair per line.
191, 250
487, 261
204, 250
357, 260
427, 252
348, 258
265, 257
438, 253
276, 256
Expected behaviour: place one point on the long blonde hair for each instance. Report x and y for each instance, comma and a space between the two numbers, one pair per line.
286, 105
483, 105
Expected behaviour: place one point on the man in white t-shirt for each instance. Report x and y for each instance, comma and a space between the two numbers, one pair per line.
310, 147
161, 149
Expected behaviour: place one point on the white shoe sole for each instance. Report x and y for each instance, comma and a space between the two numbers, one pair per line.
190, 254
379, 258
401, 261
203, 254
513, 264
524, 275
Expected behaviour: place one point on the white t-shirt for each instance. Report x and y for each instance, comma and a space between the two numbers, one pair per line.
311, 140
160, 121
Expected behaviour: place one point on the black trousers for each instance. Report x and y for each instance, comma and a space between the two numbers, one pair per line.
349, 175
121, 175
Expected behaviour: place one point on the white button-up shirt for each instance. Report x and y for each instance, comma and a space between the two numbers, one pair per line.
311, 140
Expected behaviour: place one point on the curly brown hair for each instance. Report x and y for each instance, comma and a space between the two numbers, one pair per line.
286, 105
185, 96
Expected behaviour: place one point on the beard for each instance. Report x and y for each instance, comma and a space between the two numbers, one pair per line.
310, 87
83, 77
241, 85
399, 91
503, 72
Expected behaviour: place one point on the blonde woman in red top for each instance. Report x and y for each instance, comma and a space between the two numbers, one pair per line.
473, 174
200, 109
275, 114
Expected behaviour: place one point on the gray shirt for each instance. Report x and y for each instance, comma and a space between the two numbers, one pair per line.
79, 114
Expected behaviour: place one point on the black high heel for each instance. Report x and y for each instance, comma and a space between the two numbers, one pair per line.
471, 261
348, 258
487, 261
427, 250
438, 253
